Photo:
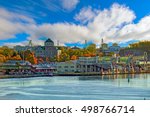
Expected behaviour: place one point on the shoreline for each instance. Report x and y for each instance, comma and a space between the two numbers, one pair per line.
65, 74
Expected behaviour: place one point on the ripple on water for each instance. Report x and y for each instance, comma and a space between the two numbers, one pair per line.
75, 88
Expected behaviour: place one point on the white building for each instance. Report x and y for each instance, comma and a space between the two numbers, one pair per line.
67, 67
87, 64
14, 62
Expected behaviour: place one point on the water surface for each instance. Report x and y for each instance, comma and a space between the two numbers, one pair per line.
108, 87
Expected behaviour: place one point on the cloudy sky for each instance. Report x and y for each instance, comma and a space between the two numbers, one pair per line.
74, 21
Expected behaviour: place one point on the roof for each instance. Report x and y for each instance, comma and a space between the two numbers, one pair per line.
75, 48
39, 47
13, 62
49, 40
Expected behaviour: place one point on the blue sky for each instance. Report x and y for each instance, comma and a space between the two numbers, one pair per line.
74, 21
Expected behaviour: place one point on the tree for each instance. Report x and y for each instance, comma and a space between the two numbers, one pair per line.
87, 55
2, 58
29, 56
100, 54
92, 48
17, 57
40, 60
73, 57
64, 57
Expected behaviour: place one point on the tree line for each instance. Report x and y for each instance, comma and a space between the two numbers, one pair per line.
67, 53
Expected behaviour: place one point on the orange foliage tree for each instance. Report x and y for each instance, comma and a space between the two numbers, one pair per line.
73, 57
17, 57
2, 58
29, 56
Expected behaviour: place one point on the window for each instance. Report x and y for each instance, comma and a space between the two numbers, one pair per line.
66, 67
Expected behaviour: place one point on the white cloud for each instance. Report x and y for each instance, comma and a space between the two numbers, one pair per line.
63, 32
114, 25
69, 4
11, 45
12, 24
86, 14
15, 17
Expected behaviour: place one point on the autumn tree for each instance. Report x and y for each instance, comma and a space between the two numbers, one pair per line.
29, 56
73, 57
40, 60
17, 57
92, 48
2, 58
8, 54
64, 57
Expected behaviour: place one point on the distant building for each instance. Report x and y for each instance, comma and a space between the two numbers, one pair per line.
48, 50
15, 62
75, 48
115, 48
87, 64
16, 67
39, 51
45, 68
67, 67
22, 48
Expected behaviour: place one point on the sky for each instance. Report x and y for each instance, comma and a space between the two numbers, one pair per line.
71, 22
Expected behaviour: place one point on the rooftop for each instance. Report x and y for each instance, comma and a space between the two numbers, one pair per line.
49, 40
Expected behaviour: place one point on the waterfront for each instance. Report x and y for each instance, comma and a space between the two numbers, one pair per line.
109, 87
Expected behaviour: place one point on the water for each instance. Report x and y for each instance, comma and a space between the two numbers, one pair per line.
121, 87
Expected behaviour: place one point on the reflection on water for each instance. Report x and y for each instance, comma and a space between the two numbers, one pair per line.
127, 86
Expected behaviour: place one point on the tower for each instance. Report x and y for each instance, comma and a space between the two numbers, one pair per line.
57, 42
29, 46
85, 43
102, 41
30, 43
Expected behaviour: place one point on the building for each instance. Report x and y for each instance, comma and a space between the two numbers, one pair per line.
39, 51
44, 69
87, 64
48, 50
75, 48
20, 48
67, 67
115, 48
16, 67
16, 62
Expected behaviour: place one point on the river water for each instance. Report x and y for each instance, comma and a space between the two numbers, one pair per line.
108, 87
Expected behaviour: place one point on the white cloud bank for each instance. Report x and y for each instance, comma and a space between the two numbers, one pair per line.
114, 25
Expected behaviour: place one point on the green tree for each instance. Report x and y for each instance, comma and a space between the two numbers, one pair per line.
92, 48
